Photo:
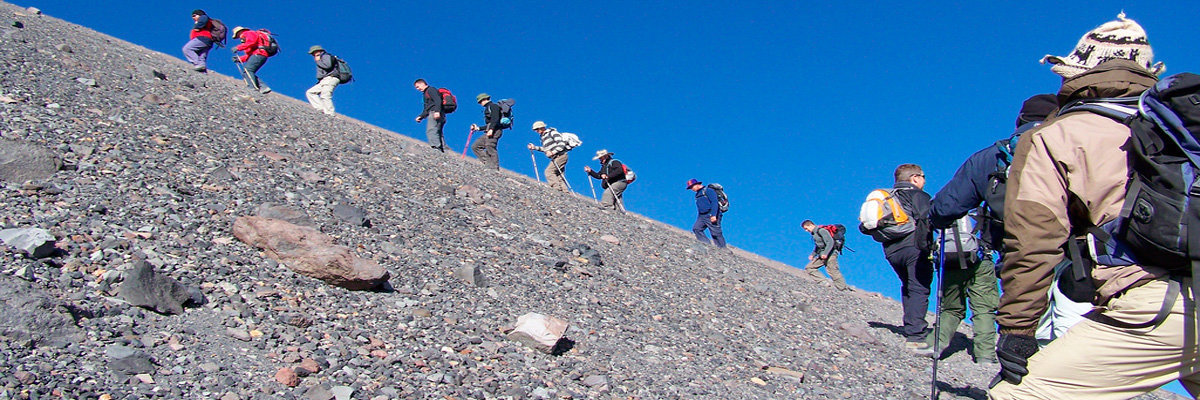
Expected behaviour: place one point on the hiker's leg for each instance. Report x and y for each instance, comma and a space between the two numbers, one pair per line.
313, 94
252, 66
618, 190
607, 200
433, 133
479, 148
191, 51
834, 270
814, 267
699, 227
325, 96
984, 298
954, 302
554, 172
1066, 312
914, 290
1098, 361
492, 150
203, 55
714, 228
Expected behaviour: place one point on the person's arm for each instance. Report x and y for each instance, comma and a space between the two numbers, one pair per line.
326, 65
200, 24
492, 117
827, 239
962, 193
436, 96
594, 174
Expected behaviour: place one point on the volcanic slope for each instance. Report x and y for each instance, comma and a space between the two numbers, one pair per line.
159, 162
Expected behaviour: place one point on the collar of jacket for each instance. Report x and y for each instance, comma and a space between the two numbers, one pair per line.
904, 186
1112, 78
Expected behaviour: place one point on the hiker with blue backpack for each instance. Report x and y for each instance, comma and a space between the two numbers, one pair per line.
257, 46
1105, 185
495, 121
331, 72
206, 33
556, 146
710, 209
828, 241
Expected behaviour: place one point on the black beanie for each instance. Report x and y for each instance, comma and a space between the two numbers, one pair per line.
198, 12
1037, 108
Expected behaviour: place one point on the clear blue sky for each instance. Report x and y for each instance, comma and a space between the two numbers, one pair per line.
799, 110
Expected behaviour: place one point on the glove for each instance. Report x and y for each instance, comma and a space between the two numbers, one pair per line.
236, 59
1014, 352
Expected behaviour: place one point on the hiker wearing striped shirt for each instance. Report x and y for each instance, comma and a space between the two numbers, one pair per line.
556, 146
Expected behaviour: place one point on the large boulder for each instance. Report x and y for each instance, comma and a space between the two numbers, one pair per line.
34, 242
310, 252
145, 288
22, 161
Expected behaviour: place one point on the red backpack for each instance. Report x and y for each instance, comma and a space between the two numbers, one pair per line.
449, 103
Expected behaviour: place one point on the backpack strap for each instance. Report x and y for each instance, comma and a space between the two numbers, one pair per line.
1117, 108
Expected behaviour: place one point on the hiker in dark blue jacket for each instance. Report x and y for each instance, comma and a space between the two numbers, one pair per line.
976, 181
709, 213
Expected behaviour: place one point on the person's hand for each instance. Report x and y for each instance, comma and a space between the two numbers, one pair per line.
489, 133
418, 119
474, 127
435, 115
825, 257
1014, 352
529, 146
712, 218
587, 168
603, 176
810, 257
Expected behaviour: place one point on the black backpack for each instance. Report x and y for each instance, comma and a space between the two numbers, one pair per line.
343, 70
506, 115
838, 232
722, 199
219, 32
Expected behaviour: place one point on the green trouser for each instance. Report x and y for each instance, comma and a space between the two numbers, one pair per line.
977, 283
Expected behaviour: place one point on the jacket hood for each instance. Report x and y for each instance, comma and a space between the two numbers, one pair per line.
1113, 78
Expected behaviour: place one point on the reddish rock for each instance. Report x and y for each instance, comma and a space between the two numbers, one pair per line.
310, 365
309, 252
287, 377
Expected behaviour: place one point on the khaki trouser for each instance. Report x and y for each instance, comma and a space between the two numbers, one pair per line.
612, 196
554, 172
321, 94
831, 266
1096, 361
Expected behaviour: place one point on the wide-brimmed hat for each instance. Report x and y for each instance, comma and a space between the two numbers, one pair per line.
315, 49
692, 182
602, 153
238, 29
482, 97
539, 125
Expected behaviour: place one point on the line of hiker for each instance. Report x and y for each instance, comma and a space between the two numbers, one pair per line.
1092, 207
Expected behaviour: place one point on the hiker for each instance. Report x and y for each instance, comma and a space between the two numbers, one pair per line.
968, 275
320, 96
612, 179
1069, 175
980, 181
254, 46
708, 214
200, 41
907, 246
485, 146
555, 145
433, 110
825, 253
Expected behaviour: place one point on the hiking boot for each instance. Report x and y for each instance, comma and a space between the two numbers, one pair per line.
921, 345
199, 68
845, 288
264, 90
987, 362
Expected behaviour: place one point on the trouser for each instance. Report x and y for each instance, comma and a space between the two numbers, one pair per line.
196, 52
320, 96
915, 271
831, 266
433, 132
1097, 362
253, 64
554, 172
485, 149
976, 284
703, 222
612, 196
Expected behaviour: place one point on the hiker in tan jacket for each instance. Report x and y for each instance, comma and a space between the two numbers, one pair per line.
1068, 174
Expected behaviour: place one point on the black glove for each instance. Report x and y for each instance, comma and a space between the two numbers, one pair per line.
1014, 352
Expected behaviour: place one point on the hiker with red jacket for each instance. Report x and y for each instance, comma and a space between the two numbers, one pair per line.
825, 254
432, 110
709, 213
200, 41
254, 45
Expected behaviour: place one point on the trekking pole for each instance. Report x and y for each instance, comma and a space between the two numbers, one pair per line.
468, 145
562, 174
848, 248
593, 185
937, 320
535, 169
242, 68
617, 199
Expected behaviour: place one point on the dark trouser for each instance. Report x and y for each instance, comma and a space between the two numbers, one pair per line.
252, 66
915, 271
978, 284
433, 132
485, 149
702, 223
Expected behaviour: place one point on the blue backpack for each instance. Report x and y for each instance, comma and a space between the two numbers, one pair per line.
1160, 220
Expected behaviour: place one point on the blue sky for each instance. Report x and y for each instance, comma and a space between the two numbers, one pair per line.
798, 109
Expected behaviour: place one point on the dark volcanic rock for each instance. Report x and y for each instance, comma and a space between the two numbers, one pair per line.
22, 161
143, 287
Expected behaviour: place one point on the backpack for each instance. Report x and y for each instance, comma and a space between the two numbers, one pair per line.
722, 199
838, 232
219, 32
961, 247
630, 176
883, 218
449, 103
506, 117
343, 70
571, 140
272, 47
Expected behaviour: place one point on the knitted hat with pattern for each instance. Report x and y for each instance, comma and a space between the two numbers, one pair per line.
1120, 39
